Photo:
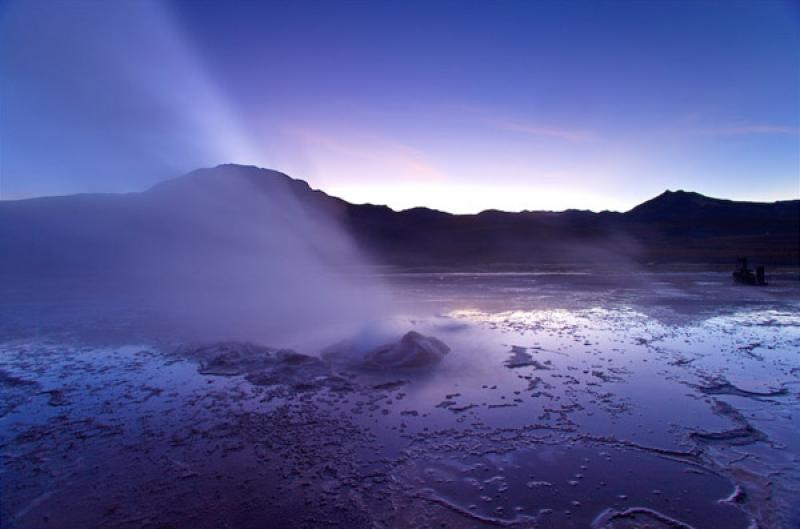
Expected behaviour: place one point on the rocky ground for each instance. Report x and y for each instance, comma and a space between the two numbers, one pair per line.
514, 403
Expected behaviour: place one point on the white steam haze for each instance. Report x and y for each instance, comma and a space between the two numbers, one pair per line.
228, 253
130, 100
232, 252
249, 254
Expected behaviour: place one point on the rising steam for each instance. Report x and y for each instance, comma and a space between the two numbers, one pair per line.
230, 252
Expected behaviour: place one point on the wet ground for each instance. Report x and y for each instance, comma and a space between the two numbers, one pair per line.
567, 400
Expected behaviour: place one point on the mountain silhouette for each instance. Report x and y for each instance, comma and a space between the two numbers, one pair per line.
90, 233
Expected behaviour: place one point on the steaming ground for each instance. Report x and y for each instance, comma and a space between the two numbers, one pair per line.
567, 400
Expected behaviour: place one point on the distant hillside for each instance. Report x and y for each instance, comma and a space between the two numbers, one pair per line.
90, 233
670, 228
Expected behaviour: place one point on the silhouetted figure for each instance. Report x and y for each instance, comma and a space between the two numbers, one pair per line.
745, 275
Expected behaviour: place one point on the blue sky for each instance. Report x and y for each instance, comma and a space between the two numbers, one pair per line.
460, 106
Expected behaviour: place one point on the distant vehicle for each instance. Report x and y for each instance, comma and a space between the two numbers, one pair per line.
745, 275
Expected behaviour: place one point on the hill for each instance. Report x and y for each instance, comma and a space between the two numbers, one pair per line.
230, 208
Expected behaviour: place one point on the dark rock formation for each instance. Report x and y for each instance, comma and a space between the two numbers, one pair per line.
412, 351
261, 365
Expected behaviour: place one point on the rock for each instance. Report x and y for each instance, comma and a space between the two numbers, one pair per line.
264, 366
230, 358
412, 351
302, 372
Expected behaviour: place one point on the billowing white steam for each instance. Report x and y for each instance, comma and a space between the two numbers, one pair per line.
230, 252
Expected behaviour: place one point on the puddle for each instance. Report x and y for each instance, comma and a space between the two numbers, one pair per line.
562, 401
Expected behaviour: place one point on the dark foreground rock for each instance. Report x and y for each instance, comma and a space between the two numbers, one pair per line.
261, 365
412, 351
265, 366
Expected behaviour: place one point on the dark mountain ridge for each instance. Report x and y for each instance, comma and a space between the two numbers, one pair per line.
91, 231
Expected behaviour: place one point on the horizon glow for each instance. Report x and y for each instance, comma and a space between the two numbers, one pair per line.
453, 106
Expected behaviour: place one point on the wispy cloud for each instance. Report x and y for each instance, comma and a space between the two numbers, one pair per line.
501, 121
743, 130
571, 135
371, 150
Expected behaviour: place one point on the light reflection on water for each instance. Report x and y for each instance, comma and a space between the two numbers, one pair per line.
541, 377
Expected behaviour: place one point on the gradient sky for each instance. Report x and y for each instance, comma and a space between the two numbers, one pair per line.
460, 106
